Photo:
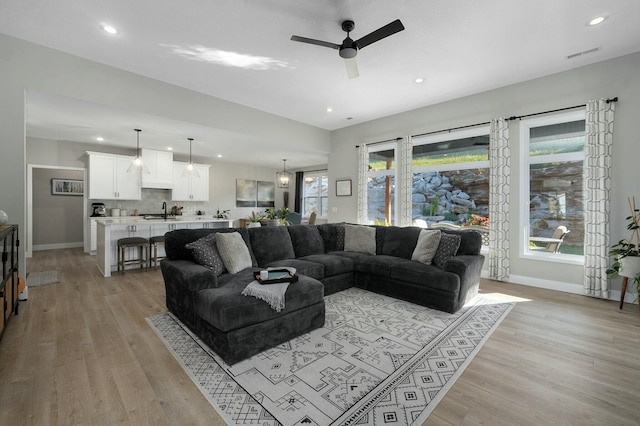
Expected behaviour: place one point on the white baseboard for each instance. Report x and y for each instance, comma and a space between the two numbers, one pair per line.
41, 247
629, 297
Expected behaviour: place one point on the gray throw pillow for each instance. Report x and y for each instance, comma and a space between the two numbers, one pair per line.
447, 248
427, 245
360, 238
205, 253
233, 251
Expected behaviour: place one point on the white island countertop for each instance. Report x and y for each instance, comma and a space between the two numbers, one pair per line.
111, 229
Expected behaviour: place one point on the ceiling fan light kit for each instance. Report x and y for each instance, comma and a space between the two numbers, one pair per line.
348, 50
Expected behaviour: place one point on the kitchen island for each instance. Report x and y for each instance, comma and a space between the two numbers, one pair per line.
111, 229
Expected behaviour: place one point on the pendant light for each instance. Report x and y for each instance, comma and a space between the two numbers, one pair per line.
137, 163
284, 177
190, 169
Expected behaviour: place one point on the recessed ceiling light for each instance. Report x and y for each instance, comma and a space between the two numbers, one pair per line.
169, 148
598, 20
329, 109
419, 80
219, 156
108, 29
100, 139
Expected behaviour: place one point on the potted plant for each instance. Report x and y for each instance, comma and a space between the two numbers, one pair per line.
272, 217
627, 252
254, 220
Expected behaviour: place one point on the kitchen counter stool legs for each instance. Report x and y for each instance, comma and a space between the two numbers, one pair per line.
154, 242
141, 244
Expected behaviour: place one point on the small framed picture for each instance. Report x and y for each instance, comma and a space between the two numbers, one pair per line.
343, 187
67, 187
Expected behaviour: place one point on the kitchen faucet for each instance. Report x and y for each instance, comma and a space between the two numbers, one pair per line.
164, 208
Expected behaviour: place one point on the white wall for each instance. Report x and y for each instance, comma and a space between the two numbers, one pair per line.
26, 66
617, 77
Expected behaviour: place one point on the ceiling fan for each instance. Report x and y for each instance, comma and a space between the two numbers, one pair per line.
349, 48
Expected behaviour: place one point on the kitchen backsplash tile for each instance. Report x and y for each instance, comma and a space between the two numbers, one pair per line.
152, 203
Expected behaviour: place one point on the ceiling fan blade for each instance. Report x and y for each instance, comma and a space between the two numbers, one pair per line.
316, 42
352, 68
382, 32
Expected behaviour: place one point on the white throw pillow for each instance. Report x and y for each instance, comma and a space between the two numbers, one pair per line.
360, 238
427, 245
233, 251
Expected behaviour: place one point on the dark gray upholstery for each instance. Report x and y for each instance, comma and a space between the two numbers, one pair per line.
237, 326
271, 243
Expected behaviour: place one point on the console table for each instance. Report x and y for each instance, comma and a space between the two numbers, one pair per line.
9, 288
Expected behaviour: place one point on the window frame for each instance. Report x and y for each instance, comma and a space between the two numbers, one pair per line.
322, 174
526, 124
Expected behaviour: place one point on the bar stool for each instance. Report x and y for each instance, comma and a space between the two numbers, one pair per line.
154, 242
138, 242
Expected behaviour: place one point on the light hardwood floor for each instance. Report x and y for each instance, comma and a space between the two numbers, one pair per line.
81, 352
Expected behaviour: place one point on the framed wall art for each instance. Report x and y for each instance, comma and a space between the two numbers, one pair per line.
245, 193
343, 187
67, 187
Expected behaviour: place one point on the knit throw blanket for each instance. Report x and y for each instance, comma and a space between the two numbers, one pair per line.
273, 294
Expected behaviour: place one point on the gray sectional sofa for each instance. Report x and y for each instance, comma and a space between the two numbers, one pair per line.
328, 258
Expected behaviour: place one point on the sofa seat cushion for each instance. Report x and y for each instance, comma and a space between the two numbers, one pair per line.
227, 309
426, 275
380, 265
333, 264
303, 267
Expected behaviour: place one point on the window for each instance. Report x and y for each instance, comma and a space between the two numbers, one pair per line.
451, 177
315, 193
552, 186
381, 184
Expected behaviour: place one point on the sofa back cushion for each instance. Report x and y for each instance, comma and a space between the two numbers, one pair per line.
399, 241
306, 240
332, 235
175, 242
271, 243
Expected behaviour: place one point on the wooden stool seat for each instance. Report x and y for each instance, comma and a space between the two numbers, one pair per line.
132, 242
153, 244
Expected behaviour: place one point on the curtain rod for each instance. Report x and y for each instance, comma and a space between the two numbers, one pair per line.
614, 99
376, 143
451, 129
518, 117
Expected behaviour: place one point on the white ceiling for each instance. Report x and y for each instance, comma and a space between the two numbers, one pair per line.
458, 47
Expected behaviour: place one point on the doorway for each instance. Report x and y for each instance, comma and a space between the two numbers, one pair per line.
56, 207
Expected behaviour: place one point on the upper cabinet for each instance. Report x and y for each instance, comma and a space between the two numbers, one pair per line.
188, 188
109, 180
160, 164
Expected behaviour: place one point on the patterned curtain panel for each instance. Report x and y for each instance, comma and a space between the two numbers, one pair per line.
597, 164
500, 183
363, 177
405, 182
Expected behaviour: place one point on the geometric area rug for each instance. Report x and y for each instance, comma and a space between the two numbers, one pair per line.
377, 360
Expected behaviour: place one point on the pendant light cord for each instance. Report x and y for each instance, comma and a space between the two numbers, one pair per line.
190, 140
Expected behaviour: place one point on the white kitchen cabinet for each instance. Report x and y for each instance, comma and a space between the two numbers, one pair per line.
190, 188
160, 164
109, 179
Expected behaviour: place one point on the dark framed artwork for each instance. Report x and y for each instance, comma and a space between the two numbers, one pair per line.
67, 187
266, 194
246, 191
343, 187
